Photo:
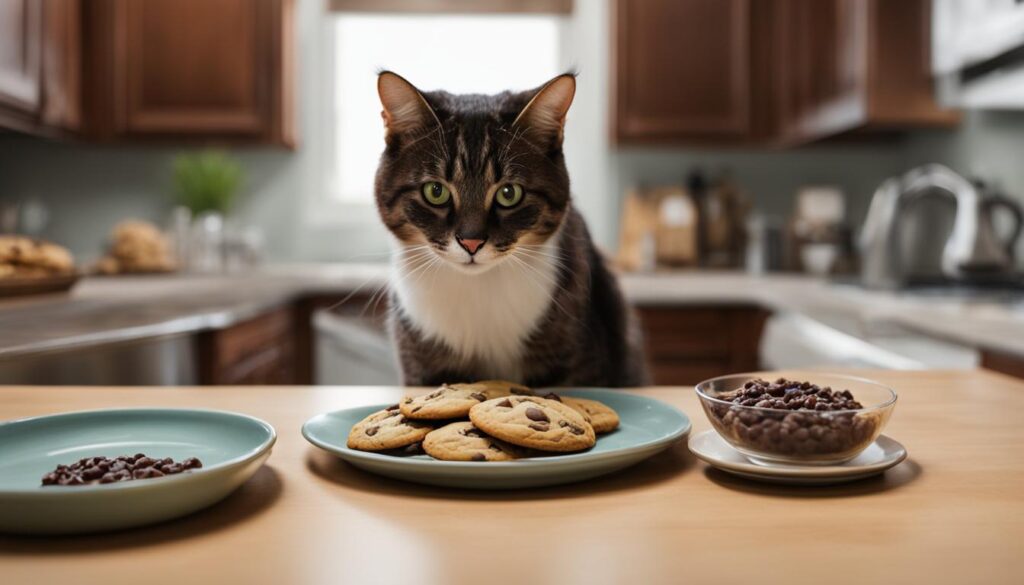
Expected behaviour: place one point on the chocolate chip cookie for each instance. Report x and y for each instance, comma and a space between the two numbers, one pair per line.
600, 415
506, 387
530, 421
386, 429
461, 441
454, 400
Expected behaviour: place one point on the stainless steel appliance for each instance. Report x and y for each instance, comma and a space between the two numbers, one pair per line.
978, 53
972, 252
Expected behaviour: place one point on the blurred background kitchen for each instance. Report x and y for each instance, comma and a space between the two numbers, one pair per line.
186, 185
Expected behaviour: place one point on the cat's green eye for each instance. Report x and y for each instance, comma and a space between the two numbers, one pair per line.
509, 195
435, 193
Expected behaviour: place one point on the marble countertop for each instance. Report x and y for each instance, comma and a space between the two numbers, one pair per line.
112, 309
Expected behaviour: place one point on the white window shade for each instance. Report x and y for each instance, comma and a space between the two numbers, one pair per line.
457, 53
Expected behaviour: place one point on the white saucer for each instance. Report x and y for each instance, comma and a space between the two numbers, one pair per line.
879, 456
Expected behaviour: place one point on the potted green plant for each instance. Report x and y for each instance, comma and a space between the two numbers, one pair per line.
206, 184
207, 181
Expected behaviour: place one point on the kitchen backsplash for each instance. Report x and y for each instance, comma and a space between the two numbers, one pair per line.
87, 189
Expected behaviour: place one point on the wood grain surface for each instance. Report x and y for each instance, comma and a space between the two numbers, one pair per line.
952, 513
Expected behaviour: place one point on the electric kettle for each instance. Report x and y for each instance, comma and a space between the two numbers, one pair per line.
973, 250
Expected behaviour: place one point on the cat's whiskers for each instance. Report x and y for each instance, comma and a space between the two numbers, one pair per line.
540, 253
531, 273
402, 258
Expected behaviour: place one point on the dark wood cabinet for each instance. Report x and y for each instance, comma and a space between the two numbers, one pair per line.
681, 68
21, 34
39, 65
260, 350
854, 66
61, 108
191, 69
1004, 363
769, 72
688, 344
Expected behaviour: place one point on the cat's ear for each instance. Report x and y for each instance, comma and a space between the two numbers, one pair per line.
544, 115
404, 106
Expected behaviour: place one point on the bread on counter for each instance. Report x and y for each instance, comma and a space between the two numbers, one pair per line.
23, 257
136, 247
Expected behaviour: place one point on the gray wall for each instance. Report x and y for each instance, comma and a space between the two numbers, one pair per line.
90, 188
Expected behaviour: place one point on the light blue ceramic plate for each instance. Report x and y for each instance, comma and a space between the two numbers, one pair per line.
231, 446
647, 427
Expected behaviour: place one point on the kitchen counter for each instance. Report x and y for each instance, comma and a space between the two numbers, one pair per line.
952, 513
104, 310
121, 308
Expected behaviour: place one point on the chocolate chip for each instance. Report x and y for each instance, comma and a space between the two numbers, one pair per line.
478, 396
478, 457
540, 426
536, 414
472, 433
417, 409
574, 429
372, 431
414, 449
553, 396
505, 403
125, 467
392, 407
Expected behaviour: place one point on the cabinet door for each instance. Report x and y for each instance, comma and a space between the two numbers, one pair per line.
20, 44
823, 72
257, 351
682, 69
61, 107
193, 66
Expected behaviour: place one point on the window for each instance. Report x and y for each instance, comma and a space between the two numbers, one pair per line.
458, 53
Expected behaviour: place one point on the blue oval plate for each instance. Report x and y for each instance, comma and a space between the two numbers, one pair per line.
231, 446
646, 427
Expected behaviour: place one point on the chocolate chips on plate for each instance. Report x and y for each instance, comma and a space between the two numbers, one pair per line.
91, 470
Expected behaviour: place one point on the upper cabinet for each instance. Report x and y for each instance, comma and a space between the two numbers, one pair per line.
185, 71
682, 68
191, 69
769, 72
854, 65
39, 65
21, 33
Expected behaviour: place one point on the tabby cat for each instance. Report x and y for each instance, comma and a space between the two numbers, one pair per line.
494, 272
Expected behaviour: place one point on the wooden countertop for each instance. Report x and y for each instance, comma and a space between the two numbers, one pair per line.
952, 513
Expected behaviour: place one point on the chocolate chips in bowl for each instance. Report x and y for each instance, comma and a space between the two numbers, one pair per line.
817, 419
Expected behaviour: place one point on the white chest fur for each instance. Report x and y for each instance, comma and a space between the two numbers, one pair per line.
484, 318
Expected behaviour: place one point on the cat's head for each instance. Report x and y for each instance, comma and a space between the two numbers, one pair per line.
473, 179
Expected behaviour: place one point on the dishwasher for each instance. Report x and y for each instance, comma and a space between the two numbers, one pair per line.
353, 350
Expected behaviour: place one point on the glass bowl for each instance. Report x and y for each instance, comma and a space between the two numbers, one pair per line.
770, 436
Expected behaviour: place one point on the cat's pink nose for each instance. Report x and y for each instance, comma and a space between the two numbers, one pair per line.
471, 246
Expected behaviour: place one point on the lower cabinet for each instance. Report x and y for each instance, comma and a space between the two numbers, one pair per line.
684, 344
260, 350
1004, 363
688, 344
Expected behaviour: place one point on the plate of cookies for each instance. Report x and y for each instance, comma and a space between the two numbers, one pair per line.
499, 435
